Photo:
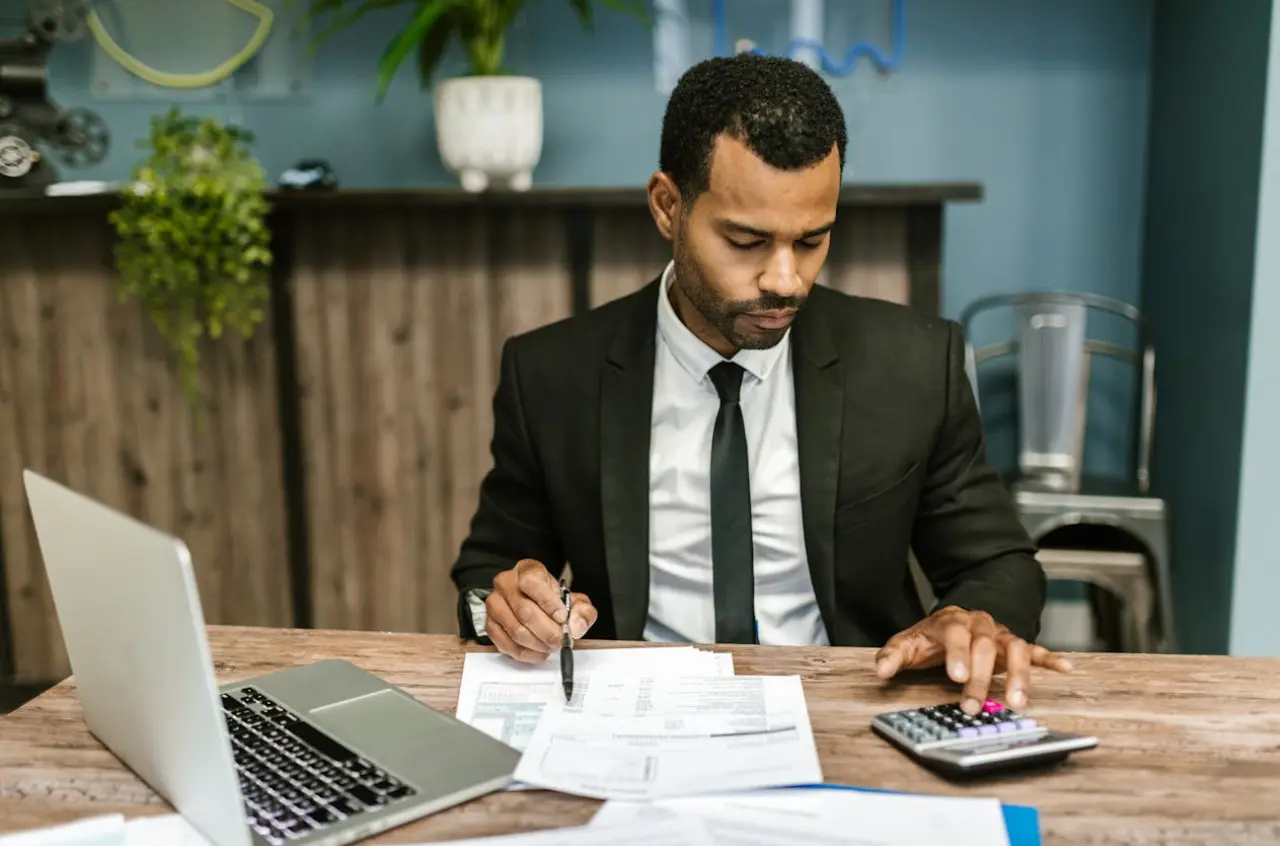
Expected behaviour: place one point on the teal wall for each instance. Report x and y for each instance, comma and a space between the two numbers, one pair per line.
1208, 92
1254, 630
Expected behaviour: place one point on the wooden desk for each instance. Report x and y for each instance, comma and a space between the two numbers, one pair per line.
1190, 746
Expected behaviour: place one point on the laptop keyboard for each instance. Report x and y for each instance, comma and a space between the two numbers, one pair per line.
294, 778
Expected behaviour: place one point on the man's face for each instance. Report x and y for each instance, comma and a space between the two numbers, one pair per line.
750, 249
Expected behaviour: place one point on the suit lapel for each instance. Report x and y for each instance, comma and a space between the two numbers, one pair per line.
819, 387
626, 405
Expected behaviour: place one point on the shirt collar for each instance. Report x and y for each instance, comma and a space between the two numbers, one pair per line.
694, 355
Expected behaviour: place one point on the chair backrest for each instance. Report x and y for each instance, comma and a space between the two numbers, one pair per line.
1053, 387
1053, 350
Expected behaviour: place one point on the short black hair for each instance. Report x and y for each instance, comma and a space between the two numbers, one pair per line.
781, 109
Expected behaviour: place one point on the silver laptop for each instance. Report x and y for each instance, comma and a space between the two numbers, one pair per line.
323, 753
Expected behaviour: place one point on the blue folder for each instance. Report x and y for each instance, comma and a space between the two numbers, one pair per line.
1020, 821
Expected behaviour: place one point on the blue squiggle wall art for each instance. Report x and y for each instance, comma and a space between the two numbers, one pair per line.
829, 64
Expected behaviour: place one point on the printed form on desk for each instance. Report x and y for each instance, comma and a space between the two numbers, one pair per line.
803, 817
659, 737
504, 698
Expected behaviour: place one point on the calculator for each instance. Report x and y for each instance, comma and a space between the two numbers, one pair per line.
996, 739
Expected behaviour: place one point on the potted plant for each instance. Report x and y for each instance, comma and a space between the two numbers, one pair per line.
488, 120
193, 245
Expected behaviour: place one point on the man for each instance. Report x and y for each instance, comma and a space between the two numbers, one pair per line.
734, 454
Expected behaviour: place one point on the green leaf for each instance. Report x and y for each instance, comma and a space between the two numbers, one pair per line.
583, 8
431, 47
402, 45
630, 7
342, 21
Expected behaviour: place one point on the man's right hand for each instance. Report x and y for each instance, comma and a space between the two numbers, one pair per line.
524, 613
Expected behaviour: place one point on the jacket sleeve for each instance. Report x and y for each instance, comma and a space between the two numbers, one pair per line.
513, 518
968, 539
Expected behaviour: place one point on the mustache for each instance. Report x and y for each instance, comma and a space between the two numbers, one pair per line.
769, 302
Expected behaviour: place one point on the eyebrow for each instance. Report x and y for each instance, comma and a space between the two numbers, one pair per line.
743, 229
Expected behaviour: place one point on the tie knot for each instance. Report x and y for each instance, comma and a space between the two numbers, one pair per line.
727, 377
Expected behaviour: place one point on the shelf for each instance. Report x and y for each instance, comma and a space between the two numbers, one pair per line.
875, 194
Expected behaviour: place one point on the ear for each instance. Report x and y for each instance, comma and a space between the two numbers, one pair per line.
664, 203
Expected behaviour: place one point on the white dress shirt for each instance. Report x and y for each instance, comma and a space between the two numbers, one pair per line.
685, 404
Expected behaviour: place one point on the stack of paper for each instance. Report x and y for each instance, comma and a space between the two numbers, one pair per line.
650, 737
504, 698
820, 817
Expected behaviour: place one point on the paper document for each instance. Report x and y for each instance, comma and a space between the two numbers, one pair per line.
821, 817
657, 737
112, 830
504, 698
163, 830
667, 832
100, 830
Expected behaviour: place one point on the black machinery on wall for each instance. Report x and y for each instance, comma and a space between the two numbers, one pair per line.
30, 121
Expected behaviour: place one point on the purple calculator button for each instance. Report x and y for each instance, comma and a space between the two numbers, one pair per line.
1003, 727
968, 731
987, 729
1026, 723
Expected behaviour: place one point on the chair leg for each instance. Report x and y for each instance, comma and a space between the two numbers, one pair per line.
1136, 615
1160, 569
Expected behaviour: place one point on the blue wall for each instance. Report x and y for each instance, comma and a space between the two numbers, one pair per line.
1208, 92
1257, 559
1043, 102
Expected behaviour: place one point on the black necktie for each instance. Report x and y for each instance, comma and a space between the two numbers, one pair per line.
732, 561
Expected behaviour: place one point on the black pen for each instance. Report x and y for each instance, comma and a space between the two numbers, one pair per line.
566, 644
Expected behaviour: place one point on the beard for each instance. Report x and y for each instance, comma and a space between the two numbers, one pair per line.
724, 315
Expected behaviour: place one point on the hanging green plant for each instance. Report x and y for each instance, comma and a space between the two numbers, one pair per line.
194, 248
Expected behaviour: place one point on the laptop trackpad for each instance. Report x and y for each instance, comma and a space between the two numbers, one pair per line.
419, 745
382, 721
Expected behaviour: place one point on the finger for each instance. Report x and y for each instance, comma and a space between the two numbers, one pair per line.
893, 655
888, 662
1041, 657
537, 583
500, 612
507, 646
982, 661
1017, 662
957, 641
531, 616
582, 617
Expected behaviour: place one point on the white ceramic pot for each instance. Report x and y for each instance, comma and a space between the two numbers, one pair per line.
489, 128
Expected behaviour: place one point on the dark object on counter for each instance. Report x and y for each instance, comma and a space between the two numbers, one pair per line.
310, 175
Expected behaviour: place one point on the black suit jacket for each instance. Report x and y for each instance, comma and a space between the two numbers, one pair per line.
892, 458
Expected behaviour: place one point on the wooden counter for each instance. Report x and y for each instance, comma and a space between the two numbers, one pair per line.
346, 441
1189, 753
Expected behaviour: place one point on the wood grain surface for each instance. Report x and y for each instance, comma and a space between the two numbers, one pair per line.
88, 396
1189, 752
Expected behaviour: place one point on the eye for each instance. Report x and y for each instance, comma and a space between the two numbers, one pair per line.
810, 245
750, 245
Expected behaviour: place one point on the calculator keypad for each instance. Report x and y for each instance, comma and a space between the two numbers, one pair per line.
948, 723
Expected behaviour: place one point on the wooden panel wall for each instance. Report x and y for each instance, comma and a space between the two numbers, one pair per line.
346, 442
87, 397
400, 322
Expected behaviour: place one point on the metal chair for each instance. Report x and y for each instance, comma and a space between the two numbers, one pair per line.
1053, 354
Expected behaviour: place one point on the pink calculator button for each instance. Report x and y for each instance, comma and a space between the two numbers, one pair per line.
992, 707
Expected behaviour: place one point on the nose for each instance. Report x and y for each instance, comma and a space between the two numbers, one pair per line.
781, 276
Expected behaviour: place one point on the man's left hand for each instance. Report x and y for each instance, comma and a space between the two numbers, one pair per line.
975, 647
